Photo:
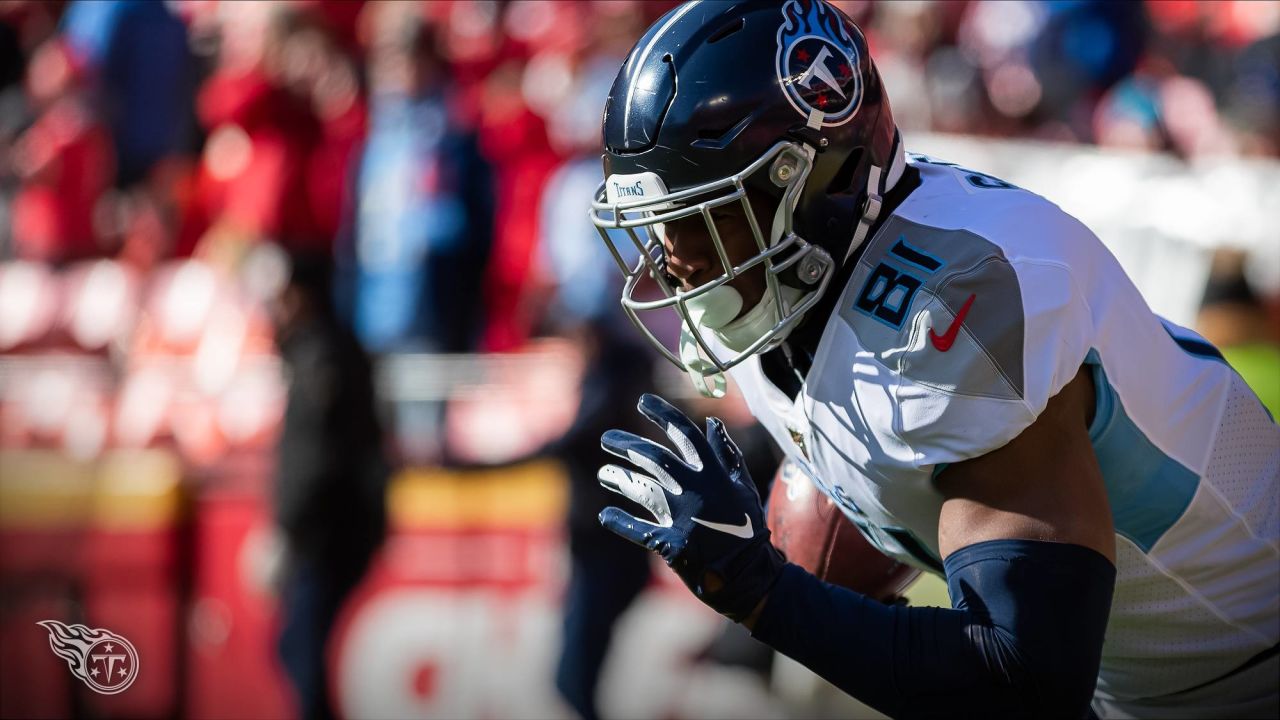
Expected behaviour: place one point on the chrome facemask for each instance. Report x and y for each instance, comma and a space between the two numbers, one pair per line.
796, 271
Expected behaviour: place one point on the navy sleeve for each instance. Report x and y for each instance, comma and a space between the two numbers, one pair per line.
1023, 638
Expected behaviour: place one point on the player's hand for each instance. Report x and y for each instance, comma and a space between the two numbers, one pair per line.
709, 521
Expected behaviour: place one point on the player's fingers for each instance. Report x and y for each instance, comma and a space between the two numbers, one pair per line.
623, 524
723, 446
638, 488
684, 434
645, 454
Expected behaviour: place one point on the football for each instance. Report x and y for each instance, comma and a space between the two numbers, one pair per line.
813, 533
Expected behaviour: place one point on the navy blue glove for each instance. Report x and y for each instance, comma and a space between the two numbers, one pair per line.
710, 523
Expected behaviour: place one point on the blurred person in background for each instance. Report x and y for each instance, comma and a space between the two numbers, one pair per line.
514, 138
144, 76
606, 576
23, 27
1221, 91
418, 232
526, 90
1043, 65
1253, 97
277, 75
418, 236
606, 573
64, 161
331, 475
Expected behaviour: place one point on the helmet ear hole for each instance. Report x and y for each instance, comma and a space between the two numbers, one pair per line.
842, 181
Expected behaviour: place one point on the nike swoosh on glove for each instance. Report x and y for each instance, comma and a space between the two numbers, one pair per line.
709, 523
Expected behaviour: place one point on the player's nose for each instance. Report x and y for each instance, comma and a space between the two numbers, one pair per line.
687, 258
684, 270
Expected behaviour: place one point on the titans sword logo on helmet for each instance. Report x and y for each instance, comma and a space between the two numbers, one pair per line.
818, 63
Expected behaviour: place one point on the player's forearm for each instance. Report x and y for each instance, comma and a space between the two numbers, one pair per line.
1024, 639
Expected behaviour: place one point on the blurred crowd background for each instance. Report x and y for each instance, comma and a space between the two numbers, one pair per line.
251, 248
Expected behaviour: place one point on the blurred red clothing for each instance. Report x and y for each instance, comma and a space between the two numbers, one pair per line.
265, 192
341, 19
515, 141
329, 167
68, 164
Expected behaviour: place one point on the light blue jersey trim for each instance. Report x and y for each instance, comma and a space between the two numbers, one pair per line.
1147, 489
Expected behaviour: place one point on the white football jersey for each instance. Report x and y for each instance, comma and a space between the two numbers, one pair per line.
975, 303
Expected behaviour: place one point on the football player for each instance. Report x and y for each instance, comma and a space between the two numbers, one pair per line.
961, 366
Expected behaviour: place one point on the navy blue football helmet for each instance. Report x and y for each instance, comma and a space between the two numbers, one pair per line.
722, 98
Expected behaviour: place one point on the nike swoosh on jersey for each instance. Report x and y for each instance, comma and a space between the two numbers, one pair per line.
944, 341
743, 531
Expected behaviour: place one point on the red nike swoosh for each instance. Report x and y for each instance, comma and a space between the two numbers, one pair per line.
944, 341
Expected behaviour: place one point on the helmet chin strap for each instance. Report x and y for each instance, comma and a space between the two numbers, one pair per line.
879, 182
